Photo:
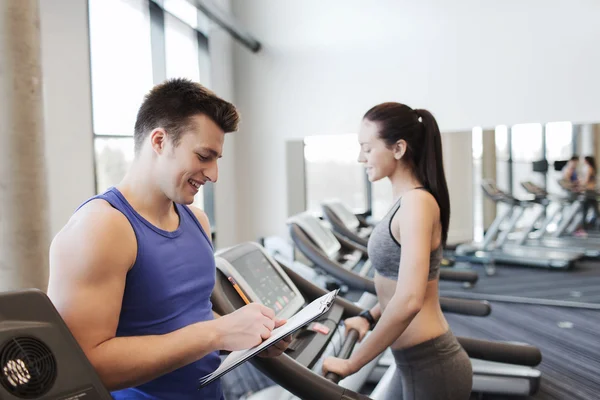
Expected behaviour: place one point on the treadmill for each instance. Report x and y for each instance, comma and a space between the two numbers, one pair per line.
344, 259
502, 251
353, 227
574, 214
344, 222
298, 370
490, 375
590, 247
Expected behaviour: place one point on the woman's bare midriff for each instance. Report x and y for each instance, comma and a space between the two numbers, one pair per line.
429, 323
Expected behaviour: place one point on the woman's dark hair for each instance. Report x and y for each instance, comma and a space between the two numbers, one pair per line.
592, 163
420, 131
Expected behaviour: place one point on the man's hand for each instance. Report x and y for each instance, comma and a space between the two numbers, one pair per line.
246, 327
278, 348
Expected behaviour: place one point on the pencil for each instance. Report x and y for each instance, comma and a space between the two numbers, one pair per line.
239, 290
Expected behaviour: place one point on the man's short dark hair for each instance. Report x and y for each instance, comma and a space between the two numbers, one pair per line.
575, 158
172, 103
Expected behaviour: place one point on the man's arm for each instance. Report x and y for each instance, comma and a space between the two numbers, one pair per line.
279, 347
89, 261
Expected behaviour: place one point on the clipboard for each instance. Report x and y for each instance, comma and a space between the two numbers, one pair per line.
302, 318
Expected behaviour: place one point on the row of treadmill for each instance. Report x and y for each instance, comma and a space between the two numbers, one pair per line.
547, 240
321, 254
41, 359
329, 252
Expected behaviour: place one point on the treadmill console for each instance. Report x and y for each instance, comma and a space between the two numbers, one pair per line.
317, 233
260, 278
344, 214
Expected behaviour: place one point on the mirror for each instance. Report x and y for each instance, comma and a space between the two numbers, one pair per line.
516, 158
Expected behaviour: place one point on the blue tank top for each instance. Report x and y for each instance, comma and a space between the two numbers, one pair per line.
168, 288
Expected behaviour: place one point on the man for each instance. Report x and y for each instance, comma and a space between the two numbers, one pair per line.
132, 271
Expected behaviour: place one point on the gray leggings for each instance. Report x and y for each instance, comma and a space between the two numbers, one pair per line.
438, 369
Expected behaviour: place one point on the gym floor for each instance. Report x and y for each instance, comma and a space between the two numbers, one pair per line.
567, 336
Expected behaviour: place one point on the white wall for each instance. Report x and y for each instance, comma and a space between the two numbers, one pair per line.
470, 62
67, 106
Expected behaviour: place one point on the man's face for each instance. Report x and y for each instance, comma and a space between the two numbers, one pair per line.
184, 167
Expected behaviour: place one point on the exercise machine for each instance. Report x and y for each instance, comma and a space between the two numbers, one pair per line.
298, 370
496, 247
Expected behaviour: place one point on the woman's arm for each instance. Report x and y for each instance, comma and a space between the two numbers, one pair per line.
417, 215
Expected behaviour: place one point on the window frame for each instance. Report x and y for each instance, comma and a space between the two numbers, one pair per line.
159, 73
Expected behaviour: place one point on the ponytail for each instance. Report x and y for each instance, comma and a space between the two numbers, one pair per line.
419, 129
430, 168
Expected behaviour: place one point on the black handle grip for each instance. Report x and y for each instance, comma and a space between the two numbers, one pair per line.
477, 308
456, 275
504, 352
346, 350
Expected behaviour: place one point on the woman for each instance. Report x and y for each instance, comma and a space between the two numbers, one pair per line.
570, 170
405, 248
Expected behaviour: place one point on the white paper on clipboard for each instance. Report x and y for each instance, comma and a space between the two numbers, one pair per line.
305, 316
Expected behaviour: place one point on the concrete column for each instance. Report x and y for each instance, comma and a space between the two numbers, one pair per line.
24, 217
488, 171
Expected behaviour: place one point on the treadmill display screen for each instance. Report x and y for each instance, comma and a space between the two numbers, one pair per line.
265, 281
327, 239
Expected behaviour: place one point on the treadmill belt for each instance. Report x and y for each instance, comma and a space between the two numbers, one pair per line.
566, 337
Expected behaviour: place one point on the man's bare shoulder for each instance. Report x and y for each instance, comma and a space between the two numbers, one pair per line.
96, 230
202, 218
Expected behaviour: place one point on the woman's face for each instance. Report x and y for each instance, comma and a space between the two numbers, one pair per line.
379, 160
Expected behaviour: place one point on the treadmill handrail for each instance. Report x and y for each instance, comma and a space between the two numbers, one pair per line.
480, 308
350, 244
455, 275
345, 352
287, 372
333, 268
339, 227
503, 352
314, 291
357, 282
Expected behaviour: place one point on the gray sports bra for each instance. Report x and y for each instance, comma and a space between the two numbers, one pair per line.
385, 251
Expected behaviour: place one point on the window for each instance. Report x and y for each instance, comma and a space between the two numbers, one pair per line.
501, 139
559, 147
121, 63
181, 48
113, 158
134, 44
182, 10
526, 147
333, 172
503, 167
383, 198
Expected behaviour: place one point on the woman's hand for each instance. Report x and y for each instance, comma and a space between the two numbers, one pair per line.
338, 366
360, 324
